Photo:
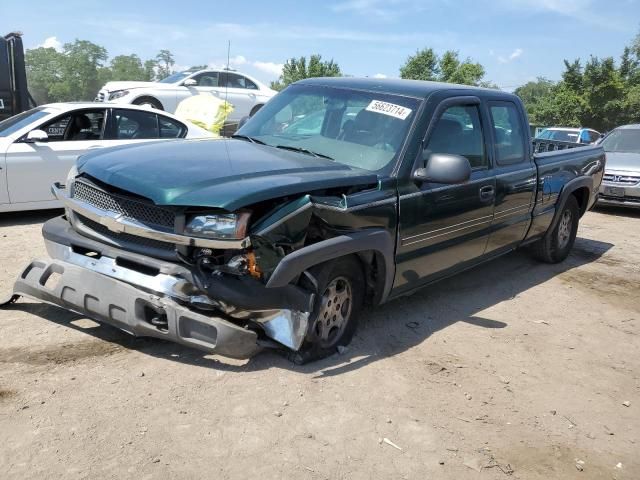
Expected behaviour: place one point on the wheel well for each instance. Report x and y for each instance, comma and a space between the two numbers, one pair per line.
582, 197
147, 98
373, 269
255, 109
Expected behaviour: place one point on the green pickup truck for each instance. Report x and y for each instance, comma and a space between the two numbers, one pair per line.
338, 193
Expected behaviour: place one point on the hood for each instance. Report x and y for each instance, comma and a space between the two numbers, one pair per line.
218, 173
624, 162
113, 86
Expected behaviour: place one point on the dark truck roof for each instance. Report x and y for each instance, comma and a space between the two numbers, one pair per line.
397, 86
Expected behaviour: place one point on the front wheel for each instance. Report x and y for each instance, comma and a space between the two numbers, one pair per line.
555, 246
340, 290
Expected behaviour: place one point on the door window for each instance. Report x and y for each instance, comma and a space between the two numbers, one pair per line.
508, 134
459, 132
82, 125
233, 80
170, 128
207, 79
134, 125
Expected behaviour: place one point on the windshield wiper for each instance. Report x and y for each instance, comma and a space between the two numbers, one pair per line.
250, 139
303, 150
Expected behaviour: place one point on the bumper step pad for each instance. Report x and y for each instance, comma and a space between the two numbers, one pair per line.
126, 307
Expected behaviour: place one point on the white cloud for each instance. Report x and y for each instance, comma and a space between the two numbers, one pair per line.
272, 68
52, 42
517, 53
238, 60
380, 75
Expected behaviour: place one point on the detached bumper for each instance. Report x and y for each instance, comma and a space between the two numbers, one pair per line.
124, 306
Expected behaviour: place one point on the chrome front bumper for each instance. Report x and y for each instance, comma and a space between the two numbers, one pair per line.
131, 309
129, 291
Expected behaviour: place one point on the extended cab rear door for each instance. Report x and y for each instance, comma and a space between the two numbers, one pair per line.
445, 226
515, 172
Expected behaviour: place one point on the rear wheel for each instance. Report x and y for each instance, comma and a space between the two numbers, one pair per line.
148, 102
255, 109
335, 316
556, 245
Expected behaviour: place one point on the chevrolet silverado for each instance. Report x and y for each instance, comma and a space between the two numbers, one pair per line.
338, 193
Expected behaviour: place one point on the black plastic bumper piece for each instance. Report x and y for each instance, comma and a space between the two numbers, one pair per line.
250, 294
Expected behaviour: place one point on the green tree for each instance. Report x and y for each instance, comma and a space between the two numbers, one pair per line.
424, 65
44, 69
299, 68
127, 67
427, 65
79, 74
535, 96
150, 70
165, 63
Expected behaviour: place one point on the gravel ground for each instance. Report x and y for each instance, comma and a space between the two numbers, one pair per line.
514, 369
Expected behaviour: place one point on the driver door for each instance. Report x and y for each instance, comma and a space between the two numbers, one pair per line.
33, 167
444, 226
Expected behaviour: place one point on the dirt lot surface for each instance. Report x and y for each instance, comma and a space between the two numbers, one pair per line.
514, 369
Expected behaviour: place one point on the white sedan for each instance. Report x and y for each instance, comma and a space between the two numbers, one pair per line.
39, 147
246, 94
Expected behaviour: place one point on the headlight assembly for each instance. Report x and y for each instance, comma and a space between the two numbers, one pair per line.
118, 94
228, 226
71, 176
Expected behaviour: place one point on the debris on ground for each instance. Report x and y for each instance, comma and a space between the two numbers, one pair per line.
389, 442
627, 403
474, 463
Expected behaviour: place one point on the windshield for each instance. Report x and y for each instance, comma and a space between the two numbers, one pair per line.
360, 129
560, 135
626, 140
175, 77
15, 123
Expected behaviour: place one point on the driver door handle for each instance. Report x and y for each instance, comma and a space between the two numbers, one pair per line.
487, 192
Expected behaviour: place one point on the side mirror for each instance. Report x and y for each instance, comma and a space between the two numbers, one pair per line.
190, 82
444, 168
242, 121
36, 136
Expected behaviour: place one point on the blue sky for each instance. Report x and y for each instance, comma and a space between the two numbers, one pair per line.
516, 40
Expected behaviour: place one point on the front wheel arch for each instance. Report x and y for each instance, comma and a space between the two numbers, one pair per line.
148, 99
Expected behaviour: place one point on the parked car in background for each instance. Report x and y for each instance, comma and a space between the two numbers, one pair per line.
246, 94
278, 236
621, 183
574, 135
39, 147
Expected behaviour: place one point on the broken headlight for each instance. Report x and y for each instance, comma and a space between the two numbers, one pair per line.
228, 226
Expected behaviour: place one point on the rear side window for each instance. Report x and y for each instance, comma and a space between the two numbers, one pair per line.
170, 128
508, 134
459, 132
134, 125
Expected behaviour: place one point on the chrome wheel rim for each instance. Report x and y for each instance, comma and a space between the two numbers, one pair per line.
335, 311
564, 229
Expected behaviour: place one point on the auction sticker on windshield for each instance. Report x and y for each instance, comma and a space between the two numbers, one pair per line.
391, 109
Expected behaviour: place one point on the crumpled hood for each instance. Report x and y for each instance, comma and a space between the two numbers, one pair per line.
623, 162
113, 86
218, 173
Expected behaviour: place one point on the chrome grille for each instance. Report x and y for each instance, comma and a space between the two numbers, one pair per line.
126, 239
130, 208
621, 179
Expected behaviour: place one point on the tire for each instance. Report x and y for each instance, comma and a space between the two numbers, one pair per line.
334, 320
555, 246
255, 109
149, 101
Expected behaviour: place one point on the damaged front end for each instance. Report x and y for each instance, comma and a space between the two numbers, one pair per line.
229, 295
